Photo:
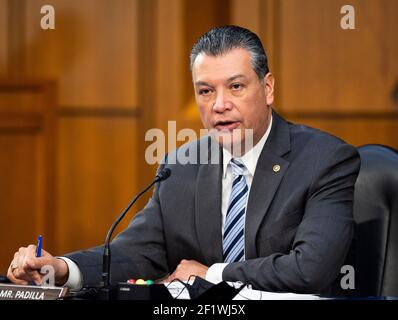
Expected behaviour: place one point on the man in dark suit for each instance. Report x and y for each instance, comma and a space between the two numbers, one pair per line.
276, 215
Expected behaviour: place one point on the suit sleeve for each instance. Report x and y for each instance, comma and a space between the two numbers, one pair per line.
322, 239
137, 252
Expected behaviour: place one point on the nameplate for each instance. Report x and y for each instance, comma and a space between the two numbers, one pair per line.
17, 292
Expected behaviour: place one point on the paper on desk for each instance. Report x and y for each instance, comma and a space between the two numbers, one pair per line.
250, 294
178, 291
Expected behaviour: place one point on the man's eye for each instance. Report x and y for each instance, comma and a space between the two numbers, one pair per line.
236, 86
204, 91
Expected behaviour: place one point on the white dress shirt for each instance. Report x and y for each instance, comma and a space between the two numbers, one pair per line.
214, 273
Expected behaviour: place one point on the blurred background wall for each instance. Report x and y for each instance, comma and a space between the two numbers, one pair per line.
75, 102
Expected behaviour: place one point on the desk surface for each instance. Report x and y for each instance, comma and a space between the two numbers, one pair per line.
178, 291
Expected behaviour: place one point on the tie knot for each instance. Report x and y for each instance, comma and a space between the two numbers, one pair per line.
238, 168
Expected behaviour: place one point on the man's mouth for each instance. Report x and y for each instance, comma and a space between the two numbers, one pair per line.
227, 125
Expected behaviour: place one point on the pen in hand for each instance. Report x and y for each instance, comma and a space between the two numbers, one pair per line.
38, 255
39, 245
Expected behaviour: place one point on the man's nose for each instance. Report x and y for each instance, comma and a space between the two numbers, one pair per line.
222, 103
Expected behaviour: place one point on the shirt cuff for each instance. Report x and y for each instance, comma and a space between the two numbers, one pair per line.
214, 273
75, 278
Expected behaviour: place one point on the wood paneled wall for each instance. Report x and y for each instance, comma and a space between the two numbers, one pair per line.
3, 38
121, 67
326, 68
92, 51
92, 55
339, 80
27, 165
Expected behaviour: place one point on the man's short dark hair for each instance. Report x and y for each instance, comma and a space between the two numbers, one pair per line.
221, 40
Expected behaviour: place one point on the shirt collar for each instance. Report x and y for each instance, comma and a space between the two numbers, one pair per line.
250, 158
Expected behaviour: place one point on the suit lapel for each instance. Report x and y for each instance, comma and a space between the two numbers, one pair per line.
270, 170
208, 207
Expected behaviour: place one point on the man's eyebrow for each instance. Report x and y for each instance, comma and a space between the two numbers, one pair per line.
202, 83
236, 77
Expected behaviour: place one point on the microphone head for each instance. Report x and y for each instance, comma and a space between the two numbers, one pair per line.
163, 174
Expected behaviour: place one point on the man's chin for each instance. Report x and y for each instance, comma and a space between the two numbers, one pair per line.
235, 141
230, 143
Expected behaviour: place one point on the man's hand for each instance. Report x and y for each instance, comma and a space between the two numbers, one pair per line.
26, 267
188, 268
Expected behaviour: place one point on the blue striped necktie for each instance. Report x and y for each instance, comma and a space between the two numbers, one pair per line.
234, 230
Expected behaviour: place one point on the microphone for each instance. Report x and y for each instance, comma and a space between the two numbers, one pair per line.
163, 175
106, 258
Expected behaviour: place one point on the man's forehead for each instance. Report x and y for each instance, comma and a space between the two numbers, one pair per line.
233, 64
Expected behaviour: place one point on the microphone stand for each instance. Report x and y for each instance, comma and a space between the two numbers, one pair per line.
106, 290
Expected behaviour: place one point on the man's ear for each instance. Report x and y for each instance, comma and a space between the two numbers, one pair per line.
269, 82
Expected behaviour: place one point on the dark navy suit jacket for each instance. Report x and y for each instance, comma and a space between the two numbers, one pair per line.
299, 221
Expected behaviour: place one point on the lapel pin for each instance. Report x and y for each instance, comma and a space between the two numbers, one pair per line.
276, 168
